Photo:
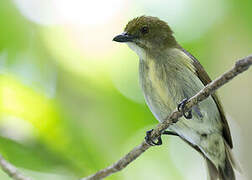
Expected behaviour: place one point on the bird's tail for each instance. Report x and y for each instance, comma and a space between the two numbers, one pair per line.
212, 171
225, 172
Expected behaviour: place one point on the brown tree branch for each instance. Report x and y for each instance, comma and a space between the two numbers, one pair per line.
11, 170
240, 66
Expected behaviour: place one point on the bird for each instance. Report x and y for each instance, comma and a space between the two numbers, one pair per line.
168, 76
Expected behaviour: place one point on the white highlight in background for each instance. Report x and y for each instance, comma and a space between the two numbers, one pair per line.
82, 12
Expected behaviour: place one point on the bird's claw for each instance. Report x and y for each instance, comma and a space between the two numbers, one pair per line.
181, 107
150, 141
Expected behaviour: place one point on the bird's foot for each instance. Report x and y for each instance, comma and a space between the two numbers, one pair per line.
149, 141
181, 107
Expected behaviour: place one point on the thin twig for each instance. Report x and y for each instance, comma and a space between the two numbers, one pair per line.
11, 170
240, 66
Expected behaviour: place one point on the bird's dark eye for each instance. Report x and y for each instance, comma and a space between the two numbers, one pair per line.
144, 30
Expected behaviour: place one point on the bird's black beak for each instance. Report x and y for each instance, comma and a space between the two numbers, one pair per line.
124, 37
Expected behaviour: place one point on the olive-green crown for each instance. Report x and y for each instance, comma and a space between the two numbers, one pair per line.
152, 30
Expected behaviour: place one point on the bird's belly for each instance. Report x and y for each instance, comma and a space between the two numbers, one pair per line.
162, 98
189, 129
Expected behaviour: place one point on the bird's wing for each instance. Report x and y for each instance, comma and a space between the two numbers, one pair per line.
205, 79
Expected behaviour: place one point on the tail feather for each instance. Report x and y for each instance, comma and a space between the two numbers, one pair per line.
227, 172
213, 173
233, 161
224, 172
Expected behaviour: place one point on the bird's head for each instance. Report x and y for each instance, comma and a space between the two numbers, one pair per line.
147, 33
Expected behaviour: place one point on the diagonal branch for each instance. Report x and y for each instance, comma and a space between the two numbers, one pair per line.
240, 66
11, 170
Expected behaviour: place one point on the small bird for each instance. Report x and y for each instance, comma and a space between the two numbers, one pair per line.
169, 75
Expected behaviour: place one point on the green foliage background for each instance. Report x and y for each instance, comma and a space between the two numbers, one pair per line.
66, 112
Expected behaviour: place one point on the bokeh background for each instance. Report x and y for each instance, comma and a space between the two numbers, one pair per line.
70, 102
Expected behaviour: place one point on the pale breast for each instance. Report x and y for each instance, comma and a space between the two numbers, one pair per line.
166, 83
156, 89
163, 83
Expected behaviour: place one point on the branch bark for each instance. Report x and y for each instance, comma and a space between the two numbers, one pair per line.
240, 66
11, 170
